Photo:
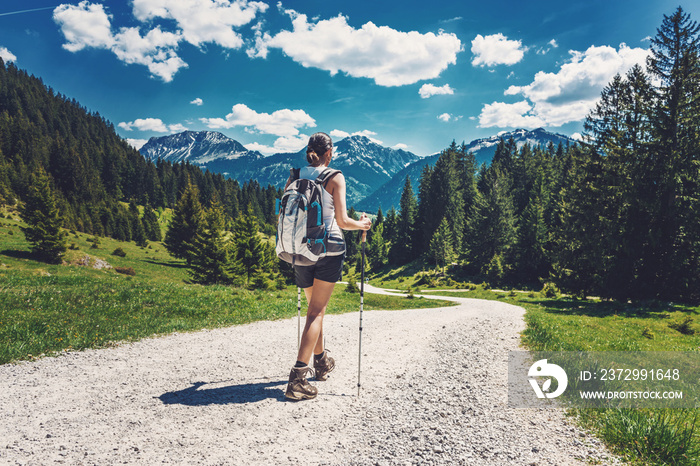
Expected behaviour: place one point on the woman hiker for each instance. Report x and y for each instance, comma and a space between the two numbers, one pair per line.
319, 279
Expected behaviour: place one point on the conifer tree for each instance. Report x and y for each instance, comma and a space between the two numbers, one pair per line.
403, 250
210, 261
251, 255
441, 248
43, 220
185, 224
150, 224
138, 232
377, 247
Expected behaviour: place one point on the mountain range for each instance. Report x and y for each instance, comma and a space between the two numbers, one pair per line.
375, 174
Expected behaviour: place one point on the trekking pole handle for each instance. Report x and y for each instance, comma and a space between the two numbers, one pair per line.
364, 232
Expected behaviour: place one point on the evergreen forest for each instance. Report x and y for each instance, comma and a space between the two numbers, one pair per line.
616, 215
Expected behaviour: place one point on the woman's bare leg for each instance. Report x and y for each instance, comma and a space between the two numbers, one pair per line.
317, 296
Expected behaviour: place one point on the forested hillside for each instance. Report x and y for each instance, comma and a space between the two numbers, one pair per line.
93, 172
617, 216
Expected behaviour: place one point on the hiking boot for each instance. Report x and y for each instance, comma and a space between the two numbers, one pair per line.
323, 366
298, 387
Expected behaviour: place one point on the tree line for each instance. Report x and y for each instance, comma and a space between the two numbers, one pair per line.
617, 215
96, 177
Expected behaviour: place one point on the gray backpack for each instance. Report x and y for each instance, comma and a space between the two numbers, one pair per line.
302, 237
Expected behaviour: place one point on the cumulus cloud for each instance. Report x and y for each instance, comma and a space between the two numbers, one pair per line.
554, 99
284, 123
89, 25
400, 146
496, 49
429, 90
6, 55
198, 102
136, 143
339, 134
203, 21
501, 114
155, 125
388, 56
282, 144
445, 117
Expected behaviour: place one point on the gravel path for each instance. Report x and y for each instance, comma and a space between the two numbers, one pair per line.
433, 392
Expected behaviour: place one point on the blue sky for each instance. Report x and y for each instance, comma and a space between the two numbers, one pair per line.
410, 74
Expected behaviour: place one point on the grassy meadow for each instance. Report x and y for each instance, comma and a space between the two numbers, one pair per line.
46, 309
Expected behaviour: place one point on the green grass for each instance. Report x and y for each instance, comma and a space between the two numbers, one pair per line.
641, 436
46, 309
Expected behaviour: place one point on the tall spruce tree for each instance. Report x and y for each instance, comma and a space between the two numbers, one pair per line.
675, 63
210, 261
403, 250
441, 247
251, 255
43, 220
185, 224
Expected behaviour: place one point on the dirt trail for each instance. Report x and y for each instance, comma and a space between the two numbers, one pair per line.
433, 392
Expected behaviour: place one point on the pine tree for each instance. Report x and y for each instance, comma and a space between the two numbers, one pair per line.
210, 260
377, 247
185, 224
675, 63
441, 245
43, 220
402, 250
251, 255
150, 224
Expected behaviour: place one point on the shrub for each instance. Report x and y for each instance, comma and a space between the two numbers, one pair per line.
126, 270
683, 326
352, 285
95, 246
550, 290
280, 283
647, 333
73, 247
410, 294
119, 252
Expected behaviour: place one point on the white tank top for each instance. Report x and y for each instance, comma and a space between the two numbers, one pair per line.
311, 173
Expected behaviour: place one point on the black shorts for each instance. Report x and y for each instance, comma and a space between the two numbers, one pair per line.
327, 269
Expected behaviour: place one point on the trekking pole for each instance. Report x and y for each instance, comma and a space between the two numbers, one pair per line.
362, 305
298, 318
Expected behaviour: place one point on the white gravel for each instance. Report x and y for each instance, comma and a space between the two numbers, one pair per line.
433, 392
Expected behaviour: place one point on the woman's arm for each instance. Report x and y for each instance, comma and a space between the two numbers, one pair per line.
336, 188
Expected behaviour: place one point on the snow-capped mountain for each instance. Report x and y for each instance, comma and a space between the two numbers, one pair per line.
198, 148
364, 163
483, 149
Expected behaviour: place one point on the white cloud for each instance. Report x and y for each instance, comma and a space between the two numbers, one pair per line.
500, 114
203, 21
151, 124
429, 90
84, 25
177, 128
136, 143
553, 43
390, 57
646, 39
6, 55
145, 124
198, 102
88, 25
283, 122
282, 144
339, 134
496, 49
577, 137
400, 146
198, 22
445, 117
567, 95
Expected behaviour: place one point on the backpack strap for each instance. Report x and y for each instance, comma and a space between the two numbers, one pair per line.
294, 174
326, 176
